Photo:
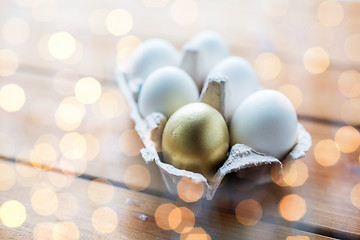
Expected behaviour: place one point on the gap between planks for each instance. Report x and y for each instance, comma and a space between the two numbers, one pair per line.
322, 231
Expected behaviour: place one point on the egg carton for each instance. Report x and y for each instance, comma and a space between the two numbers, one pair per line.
247, 163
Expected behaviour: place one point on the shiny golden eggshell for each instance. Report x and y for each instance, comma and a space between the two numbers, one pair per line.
196, 138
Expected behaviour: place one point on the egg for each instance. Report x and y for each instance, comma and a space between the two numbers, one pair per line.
151, 55
267, 122
166, 90
196, 138
242, 81
211, 49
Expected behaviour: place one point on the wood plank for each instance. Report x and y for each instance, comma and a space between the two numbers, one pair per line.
112, 163
327, 190
325, 206
134, 212
19, 138
249, 30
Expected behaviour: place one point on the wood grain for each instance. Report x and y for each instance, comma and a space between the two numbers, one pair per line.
326, 192
250, 28
135, 214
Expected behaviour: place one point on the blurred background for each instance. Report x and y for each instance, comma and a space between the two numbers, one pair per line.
294, 46
62, 114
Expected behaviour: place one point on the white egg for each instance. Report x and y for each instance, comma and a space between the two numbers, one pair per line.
265, 121
242, 81
166, 90
211, 49
151, 55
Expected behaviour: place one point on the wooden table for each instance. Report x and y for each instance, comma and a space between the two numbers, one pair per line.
70, 170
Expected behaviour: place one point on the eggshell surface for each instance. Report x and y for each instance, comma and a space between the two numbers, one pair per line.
242, 81
196, 138
267, 122
151, 55
211, 49
166, 90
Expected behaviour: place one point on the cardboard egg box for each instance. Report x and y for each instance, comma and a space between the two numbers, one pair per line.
248, 164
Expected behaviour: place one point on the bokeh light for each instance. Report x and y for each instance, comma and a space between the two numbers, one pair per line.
125, 47
111, 104
43, 230
15, 30
268, 66
71, 111
44, 201
294, 174
292, 207
23, 170
123, 58
330, 13
355, 195
68, 206
74, 149
43, 156
12, 97
62, 45
190, 191
275, 8
347, 139
137, 177
65, 231
248, 212
161, 215
196, 233
73, 167
128, 42
349, 83
49, 139
316, 60
352, 47
327, 152
97, 21
100, 191
181, 219
7, 177
130, 143
184, 12
174, 218
119, 22
293, 93
12, 214
69, 114
87, 90
59, 180
104, 220
73, 145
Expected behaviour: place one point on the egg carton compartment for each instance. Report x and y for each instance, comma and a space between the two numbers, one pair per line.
248, 164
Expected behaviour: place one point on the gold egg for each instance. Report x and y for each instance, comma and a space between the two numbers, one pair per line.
196, 138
